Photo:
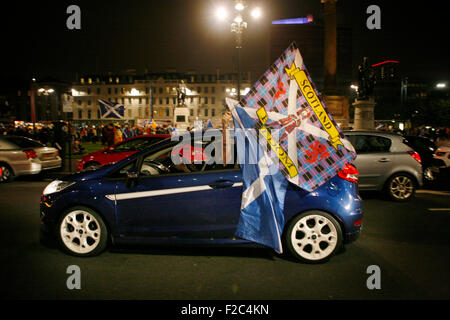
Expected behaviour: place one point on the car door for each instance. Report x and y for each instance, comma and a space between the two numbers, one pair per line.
373, 159
200, 204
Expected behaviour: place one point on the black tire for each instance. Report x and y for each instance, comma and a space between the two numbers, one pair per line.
82, 232
319, 237
7, 174
400, 187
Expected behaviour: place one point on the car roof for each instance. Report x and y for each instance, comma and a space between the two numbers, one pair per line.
372, 132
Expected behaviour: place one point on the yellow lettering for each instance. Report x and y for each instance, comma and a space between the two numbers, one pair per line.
311, 98
282, 155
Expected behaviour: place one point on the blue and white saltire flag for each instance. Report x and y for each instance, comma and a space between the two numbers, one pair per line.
261, 219
111, 109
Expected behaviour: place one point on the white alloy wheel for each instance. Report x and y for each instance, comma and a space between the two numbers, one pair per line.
314, 236
82, 232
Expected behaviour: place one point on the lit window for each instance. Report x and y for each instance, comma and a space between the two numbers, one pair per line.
82, 80
90, 80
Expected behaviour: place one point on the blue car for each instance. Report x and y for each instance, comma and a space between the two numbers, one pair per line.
148, 199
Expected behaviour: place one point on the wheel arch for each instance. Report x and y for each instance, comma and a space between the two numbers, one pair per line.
334, 215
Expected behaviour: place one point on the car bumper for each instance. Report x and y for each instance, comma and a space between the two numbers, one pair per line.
51, 164
26, 167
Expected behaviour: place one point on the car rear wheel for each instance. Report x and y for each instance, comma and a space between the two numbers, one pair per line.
6, 174
82, 232
400, 187
313, 237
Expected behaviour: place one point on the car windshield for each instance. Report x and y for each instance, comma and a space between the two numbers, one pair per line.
137, 144
24, 142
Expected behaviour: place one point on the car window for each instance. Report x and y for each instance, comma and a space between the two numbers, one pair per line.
137, 144
200, 156
369, 143
24, 142
121, 173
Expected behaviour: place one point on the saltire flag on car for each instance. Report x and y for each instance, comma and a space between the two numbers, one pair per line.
111, 109
296, 132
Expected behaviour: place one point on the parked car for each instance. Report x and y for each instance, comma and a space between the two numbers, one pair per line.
118, 151
148, 199
25, 156
443, 153
386, 163
426, 148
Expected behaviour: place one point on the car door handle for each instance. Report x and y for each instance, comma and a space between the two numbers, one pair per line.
384, 160
220, 184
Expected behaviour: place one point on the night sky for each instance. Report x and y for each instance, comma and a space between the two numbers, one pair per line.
185, 35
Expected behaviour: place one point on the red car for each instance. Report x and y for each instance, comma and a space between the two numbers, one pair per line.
119, 151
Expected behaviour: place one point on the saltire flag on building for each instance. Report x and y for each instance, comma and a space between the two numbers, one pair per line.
110, 110
296, 132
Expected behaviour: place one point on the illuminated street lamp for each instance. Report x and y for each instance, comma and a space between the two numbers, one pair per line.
441, 85
238, 25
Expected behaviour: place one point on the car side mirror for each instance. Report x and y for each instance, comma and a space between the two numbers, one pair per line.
132, 178
132, 174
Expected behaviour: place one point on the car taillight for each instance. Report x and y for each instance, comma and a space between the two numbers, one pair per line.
416, 156
349, 173
31, 154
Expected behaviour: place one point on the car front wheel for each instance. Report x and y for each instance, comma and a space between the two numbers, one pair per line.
313, 236
428, 174
82, 232
6, 174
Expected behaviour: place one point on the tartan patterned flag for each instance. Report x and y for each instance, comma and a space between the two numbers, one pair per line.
285, 116
311, 148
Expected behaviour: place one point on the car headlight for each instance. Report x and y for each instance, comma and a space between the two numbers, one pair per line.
57, 186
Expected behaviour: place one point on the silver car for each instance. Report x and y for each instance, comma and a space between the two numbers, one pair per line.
23, 156
386, 163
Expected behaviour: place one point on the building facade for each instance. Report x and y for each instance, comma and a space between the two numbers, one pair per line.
156, 94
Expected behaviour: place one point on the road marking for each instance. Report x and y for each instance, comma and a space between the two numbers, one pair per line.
439, 209
439, 193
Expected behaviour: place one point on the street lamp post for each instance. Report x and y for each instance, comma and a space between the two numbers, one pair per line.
238, 25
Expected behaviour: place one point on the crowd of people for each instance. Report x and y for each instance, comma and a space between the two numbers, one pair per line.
58, 134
